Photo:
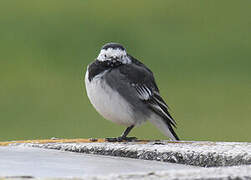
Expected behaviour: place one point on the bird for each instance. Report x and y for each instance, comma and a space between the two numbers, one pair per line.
123, 90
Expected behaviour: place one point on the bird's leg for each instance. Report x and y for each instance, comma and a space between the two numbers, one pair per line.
123, 136
126, 132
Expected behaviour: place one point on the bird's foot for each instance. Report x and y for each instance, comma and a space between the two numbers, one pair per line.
121, 138
129, 139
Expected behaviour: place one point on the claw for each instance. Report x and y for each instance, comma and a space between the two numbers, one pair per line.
121, 138
111, 139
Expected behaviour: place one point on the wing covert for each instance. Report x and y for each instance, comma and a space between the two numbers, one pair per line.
142, 80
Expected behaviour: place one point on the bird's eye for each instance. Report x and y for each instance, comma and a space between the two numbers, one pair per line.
105, 55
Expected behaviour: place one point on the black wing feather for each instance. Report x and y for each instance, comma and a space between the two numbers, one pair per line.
141, 77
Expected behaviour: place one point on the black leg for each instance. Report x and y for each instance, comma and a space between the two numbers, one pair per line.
123, 136
126, 132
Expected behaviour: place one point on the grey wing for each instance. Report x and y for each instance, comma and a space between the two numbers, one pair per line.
142, 79
155, 102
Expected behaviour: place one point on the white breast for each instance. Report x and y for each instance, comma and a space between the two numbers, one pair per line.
108, 102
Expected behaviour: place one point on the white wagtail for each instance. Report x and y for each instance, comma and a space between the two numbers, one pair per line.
123, 90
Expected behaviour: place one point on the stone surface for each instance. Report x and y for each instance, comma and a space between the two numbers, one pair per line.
216, 156
204, 154
225, 173
40, 163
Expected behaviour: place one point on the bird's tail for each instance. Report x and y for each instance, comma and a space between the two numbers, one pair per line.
164, 127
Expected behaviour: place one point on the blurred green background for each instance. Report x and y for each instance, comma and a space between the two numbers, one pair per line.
199, 51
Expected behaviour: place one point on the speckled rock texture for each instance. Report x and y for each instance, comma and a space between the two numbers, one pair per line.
203, 154
224, 173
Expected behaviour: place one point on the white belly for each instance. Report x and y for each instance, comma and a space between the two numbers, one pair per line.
108, 102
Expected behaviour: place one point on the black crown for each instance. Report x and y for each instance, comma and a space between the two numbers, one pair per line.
113, 46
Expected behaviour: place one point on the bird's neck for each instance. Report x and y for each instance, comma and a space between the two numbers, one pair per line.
98, 67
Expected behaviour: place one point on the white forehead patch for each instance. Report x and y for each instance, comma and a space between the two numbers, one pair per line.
108, 54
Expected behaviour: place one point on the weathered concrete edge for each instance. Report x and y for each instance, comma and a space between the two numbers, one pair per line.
204, 154
242, 172
236, 172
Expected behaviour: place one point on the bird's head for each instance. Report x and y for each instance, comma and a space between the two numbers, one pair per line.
113, 52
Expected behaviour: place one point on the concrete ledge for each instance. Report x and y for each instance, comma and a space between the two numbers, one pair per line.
216, 155
203, 154
46, 163
226, 173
